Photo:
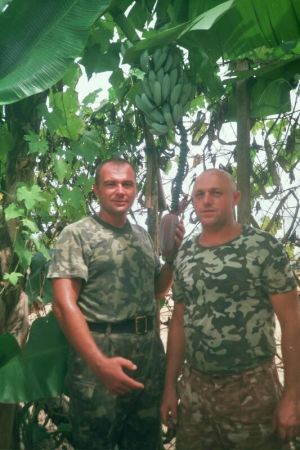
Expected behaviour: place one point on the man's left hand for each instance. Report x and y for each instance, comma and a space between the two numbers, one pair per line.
287, 419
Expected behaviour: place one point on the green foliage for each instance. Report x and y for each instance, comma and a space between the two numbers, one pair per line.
73, 136
289, 154
61, 168
38, 370
6, 143
39, 41
38, 287
30, 195
22, 249
248, 25
290, 250
203, 21
63, 118
13, 211
9, 348
276, 225
37, 144
240, 30
12, 277
96, 60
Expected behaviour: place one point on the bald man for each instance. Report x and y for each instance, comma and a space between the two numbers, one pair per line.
229, 282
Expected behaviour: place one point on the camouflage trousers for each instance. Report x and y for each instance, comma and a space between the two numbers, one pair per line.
104, 421
231, 412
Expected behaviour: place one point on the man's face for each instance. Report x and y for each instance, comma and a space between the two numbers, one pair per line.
214, 198
116, 190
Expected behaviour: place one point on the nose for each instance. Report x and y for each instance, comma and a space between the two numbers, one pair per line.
119, 188
207, 198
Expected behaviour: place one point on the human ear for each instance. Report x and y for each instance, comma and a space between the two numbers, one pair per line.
236, 197
95, 190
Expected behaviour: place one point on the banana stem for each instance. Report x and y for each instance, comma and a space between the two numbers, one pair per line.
181, 169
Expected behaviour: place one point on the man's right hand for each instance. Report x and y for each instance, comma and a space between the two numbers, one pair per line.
168, 409
111, 373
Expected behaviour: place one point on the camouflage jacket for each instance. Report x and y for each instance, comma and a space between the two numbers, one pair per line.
117, 266
229, 319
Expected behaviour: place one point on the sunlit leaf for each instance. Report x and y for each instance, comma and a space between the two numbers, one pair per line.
38, 287
13, 211
30, 225
36, 143
12, 277
31, 195
40, 40
25, 255
61, 169
159, 38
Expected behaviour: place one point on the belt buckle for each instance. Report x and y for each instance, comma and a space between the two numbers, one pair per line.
138, 320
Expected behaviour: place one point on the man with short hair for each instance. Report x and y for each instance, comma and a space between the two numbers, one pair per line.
105, 277
228, 283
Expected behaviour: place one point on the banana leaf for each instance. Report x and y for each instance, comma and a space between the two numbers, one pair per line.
39, 40
248, 25
203, 22
267, 33
8, 349
38, 370
229, 30
269, 91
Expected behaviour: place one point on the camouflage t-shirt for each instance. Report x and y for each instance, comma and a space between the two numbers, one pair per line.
117, 266
228, 317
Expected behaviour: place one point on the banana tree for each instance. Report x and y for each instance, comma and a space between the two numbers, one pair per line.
39, 43
265, 34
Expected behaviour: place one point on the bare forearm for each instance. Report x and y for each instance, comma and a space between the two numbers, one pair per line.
287, 309
290, 347
164, 281
175, 351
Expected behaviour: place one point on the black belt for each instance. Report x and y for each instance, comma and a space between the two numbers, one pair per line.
136, 325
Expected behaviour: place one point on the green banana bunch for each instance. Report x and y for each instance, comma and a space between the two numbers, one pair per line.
165, 91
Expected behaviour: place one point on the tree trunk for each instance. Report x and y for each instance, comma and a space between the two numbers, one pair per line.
152, 206
7, 419
151, 188
21, 117
243, 146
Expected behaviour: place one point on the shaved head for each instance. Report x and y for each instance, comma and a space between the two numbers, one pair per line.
214, 198
218, 173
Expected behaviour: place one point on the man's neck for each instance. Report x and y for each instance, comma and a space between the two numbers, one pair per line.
217, 236
117, 221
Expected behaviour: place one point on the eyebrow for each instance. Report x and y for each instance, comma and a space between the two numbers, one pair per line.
112, 180
210, 189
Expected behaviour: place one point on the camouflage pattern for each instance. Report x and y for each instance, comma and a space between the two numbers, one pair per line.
118, 267
103, 421
232, 412
228, 319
